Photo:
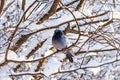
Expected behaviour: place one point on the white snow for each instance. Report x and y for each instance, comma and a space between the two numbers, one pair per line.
12, 55
51, 66
4, 76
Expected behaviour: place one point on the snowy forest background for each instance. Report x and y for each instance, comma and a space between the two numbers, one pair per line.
92, 28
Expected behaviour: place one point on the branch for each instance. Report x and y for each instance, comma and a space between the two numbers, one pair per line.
36, 48
77, 25
80, 4
97, 30
34, 60
23, 4
23, 7
20, 42
85, 67
93, 22
31, 53
17, 26
50, 12
69, 4
104, 50
1, 6
7, 7
27, 73
56, 26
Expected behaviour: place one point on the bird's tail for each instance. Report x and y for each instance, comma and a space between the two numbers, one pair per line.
69, 56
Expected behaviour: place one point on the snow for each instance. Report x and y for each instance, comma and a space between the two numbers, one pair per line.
10, 55
4, 76
51, 66
48, 52
95, 62
116, 14
53, 79
94, 70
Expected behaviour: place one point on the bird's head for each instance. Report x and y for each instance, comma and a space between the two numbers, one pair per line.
58, 32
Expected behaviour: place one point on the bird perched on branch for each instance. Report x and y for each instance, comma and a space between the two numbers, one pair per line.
59, 42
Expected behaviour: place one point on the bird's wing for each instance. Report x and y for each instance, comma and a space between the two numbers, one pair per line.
64, 42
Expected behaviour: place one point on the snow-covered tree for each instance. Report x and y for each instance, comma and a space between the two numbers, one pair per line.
90, 26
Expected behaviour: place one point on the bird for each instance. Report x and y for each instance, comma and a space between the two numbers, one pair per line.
59, 42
